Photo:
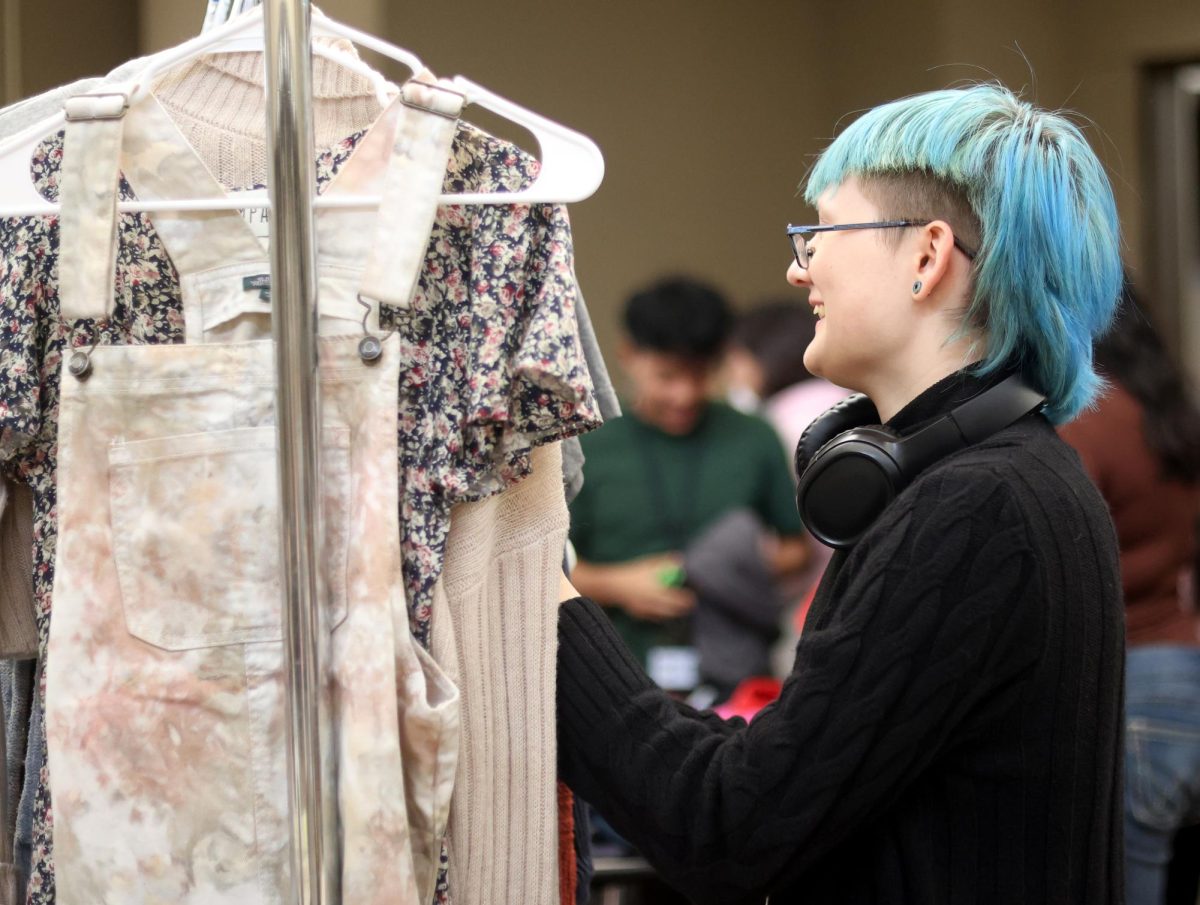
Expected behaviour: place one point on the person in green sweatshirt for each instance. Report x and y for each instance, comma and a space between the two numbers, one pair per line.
674, 464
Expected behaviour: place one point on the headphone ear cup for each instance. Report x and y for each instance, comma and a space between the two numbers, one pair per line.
848, 484
853, 411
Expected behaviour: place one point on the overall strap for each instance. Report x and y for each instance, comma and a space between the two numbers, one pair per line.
428, 120
160, 164
88, 203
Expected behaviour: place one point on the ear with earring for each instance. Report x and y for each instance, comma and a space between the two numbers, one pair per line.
917, 287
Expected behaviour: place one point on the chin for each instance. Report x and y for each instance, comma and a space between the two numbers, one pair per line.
681, 424
813, 363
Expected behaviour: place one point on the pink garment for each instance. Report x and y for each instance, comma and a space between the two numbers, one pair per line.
790, 412
793, 409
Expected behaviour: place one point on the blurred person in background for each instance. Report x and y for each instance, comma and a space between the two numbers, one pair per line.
764, 373
764, 370
1141, 445
665, 473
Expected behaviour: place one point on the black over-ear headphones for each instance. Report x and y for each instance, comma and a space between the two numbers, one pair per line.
851, 467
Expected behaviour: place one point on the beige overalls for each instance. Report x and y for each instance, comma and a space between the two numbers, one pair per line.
165, 698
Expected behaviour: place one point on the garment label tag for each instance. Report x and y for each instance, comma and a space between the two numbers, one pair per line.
674, 668
260, 282
258, 219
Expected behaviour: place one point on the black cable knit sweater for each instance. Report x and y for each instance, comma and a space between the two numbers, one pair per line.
950, 732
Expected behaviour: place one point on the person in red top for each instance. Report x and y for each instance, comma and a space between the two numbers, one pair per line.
1141, 446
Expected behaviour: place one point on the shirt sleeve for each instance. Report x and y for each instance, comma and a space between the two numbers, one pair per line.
25, 249
924, 625
32, 334
521, 371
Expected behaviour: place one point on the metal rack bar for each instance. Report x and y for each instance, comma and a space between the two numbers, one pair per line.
297, 407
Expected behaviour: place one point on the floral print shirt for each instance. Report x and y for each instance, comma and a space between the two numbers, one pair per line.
494, 365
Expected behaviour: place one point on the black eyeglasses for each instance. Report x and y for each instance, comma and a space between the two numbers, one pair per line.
798, 236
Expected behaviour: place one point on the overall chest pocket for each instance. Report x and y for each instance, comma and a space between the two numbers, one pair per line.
195, 519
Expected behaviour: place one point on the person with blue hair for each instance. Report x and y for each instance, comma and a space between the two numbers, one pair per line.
951, 728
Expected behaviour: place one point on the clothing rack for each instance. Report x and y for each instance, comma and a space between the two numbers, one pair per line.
288, 57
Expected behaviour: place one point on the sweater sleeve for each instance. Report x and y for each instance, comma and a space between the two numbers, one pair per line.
938, 607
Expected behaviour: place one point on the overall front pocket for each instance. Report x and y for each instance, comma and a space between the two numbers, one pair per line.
196, 528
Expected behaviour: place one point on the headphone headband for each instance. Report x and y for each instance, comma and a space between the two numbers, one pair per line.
851, 470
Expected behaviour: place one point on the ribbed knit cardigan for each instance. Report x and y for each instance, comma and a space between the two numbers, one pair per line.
950, 732
494, 626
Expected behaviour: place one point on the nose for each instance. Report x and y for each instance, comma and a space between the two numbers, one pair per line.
796, 276
688, 392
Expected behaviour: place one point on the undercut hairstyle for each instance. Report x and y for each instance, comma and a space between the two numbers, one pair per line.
680, 316
1019, 186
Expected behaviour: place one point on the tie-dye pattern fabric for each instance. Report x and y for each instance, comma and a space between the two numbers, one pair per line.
166, 727
491, 366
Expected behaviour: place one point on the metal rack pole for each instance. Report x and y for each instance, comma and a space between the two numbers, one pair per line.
297, 408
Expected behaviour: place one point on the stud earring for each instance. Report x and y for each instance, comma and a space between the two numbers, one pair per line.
917, 287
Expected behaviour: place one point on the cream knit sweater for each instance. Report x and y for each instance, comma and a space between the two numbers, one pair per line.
219, 105
495, 631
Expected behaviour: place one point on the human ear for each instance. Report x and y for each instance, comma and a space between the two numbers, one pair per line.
931, 257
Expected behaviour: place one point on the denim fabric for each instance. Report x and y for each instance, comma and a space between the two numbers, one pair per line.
1162, 762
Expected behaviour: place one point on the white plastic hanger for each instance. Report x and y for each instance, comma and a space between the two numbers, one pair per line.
221, 12
572, 166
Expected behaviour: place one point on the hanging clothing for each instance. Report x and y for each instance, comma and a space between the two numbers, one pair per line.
18, 629
198, 96
22, 733
168, 579
491, 363
501, 594
605, 394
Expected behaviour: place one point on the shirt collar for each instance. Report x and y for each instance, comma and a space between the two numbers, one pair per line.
943, 396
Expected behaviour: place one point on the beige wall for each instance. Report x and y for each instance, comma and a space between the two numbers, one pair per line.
59, 42
709, 112
10, 78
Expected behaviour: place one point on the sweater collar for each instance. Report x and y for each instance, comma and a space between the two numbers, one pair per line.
943, 396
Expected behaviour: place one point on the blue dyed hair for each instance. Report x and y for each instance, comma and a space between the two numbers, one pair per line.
1048, 273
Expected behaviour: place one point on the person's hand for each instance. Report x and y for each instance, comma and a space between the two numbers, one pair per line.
787, 555
641, 593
